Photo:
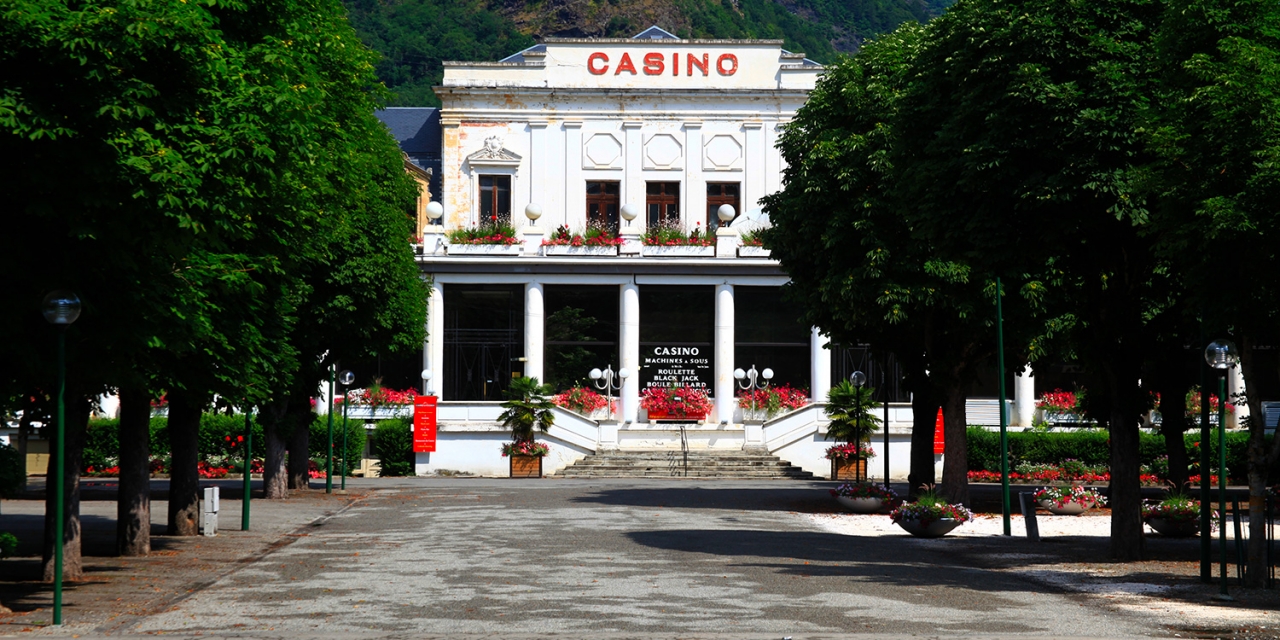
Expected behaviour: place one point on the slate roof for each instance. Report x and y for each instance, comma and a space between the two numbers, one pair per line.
417, 129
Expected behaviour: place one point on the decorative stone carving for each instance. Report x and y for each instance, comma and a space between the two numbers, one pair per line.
663, 151
722, 152
493, 154
602, 151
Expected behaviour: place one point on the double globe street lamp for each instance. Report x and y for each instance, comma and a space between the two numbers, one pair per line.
345, 379
750, 380
60, 309
604, 381
1221, 355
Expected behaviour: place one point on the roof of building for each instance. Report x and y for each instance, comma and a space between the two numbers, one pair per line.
417, 129
652, 33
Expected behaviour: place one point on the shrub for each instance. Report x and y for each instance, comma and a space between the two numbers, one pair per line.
319, 442
101, 444
12, 473
393, 442
8, 544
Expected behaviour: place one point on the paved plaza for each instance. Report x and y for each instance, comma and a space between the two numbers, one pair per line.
469, 558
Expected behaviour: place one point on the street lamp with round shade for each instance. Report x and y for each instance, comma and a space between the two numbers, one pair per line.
533, 211
725, 213
858, 379
739, 374
595, 374
1222, 355
60, 308
426, 381
434, 211
629, 212
345, 378
767, 374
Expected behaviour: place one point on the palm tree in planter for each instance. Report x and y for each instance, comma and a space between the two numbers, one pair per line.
850, 409
528, 407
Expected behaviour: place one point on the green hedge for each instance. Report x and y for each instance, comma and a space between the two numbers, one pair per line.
1091, 447
319, 442
12, 471
393, 442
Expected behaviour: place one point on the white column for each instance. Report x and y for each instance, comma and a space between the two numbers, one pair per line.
533, 331
724, 354
1024, 398
433, 354
633, 178
629, 315
753, 180
819, 365
575, 188
693, 193
1235, 391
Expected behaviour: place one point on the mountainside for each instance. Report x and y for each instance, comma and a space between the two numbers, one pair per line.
414, 36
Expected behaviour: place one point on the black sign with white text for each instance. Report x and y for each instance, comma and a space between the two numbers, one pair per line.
679, 366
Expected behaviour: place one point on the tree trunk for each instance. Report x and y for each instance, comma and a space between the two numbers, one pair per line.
185, 409
1127, 543
955, 462
133, 503
1173, 426
1260, 462
276, 430
77, 421
300, 442
923, 411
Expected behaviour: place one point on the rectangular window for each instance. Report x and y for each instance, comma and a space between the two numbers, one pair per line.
603, 201
720, 193
662, 201
495, 199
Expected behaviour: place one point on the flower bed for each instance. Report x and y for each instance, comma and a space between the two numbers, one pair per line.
582, 400
850, 451
673, 403
492, 233
674, 236
592, 237
525, 448
1055, 475
773, 400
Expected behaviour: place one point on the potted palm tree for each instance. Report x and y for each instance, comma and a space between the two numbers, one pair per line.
528, 407
852, 422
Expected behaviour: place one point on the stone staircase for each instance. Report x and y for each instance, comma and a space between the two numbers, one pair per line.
671, 464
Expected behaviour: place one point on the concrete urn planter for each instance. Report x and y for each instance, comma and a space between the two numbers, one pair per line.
1067, 508
861, 505
1174, 528
934, 529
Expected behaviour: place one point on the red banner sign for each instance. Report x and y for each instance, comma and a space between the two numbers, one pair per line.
939, 440
424, 424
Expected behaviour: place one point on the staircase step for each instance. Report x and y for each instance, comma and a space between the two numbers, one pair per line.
700, 464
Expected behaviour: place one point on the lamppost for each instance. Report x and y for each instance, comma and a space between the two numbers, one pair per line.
603, 380
752, 377
60, 308
629, 212
858, 379
426, 382
328, 471
345, 378
248, 468
884, 389
1221, 355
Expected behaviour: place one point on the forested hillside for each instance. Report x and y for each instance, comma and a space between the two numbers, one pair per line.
415, 36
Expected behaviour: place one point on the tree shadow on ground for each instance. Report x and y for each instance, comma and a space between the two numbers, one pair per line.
806, 498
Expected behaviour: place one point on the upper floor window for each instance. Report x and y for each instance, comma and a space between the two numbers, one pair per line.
719, 193
495, 199
603, 200
662, 201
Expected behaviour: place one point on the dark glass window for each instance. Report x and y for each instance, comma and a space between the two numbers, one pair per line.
483, 340
603, 201
677, 336
581, 333
662, 201
769, 334
720, 193
495, 199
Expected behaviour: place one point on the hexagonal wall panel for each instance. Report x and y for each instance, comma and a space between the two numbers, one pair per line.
602, 151
662, 151
722, 152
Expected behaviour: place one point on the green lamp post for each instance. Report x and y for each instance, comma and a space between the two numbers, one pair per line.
345, 378
1221, 356
60, 308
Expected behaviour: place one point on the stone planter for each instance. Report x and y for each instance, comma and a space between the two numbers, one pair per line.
935, 529
1174, 528
569, 250
485, 249
526, 466
1067, 509
861, 505
848, 469
675, 417
753, 252
678, 252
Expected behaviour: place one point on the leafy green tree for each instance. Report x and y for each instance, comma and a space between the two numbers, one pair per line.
527, 407
1019, 139
1216, 131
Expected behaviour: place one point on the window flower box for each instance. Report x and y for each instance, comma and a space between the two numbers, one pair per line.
485, 249
753, 252
570, 250
682, 251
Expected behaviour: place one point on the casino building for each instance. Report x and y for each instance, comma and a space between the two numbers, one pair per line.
624, 134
